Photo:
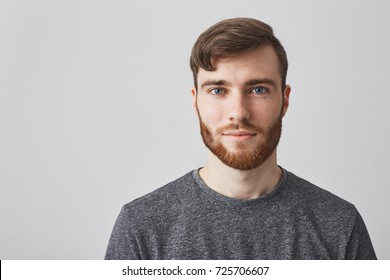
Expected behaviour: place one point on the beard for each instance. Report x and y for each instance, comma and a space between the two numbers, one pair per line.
243, 159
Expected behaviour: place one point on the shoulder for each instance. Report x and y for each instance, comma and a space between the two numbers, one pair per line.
318, 200
171, 195
324, 214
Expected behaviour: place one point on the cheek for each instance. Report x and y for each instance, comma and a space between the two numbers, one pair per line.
210, 115
267, 112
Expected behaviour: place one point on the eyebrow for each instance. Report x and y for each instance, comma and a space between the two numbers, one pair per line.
215, 83
261, 81
247, 83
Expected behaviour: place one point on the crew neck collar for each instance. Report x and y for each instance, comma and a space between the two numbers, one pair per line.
240, 202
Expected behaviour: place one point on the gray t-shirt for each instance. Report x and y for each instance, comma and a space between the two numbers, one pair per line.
185, 219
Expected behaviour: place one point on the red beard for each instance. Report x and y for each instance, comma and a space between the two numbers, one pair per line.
242, 159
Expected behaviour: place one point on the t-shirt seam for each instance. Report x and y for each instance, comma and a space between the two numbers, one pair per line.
261, 200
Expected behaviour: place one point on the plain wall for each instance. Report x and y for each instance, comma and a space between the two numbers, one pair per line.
95, 110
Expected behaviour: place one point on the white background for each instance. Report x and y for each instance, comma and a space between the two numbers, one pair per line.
95, 110
214, 269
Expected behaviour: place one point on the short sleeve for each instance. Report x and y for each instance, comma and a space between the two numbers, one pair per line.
359, 245
122, 244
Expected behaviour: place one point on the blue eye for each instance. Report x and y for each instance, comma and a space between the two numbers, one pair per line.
259, 90
217, 91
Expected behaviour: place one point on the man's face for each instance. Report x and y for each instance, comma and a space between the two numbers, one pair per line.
240, 107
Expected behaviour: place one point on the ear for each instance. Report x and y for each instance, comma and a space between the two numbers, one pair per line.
286, 99
194, 94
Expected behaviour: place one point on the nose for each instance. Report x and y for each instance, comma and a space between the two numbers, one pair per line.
238, 108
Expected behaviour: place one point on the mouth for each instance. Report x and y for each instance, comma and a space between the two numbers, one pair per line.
240, 135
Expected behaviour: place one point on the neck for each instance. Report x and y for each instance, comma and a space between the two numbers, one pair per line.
241, 184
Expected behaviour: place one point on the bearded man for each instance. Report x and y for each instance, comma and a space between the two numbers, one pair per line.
241, 204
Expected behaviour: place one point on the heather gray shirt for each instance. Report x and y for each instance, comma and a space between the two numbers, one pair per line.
185, 219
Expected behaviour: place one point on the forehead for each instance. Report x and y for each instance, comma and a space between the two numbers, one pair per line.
260, 63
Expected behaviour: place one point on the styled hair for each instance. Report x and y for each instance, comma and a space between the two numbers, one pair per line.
231, 37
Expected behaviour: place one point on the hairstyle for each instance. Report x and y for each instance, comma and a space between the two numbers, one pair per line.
232, 37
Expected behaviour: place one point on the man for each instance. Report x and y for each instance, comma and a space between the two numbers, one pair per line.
241, 204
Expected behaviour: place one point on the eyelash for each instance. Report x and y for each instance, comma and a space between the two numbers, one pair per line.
212, 91
264, 89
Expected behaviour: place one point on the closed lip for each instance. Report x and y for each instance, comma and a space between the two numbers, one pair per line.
240, 133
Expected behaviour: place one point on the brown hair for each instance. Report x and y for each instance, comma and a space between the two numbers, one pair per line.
232, 37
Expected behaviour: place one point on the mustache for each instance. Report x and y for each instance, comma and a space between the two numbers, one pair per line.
240, 125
